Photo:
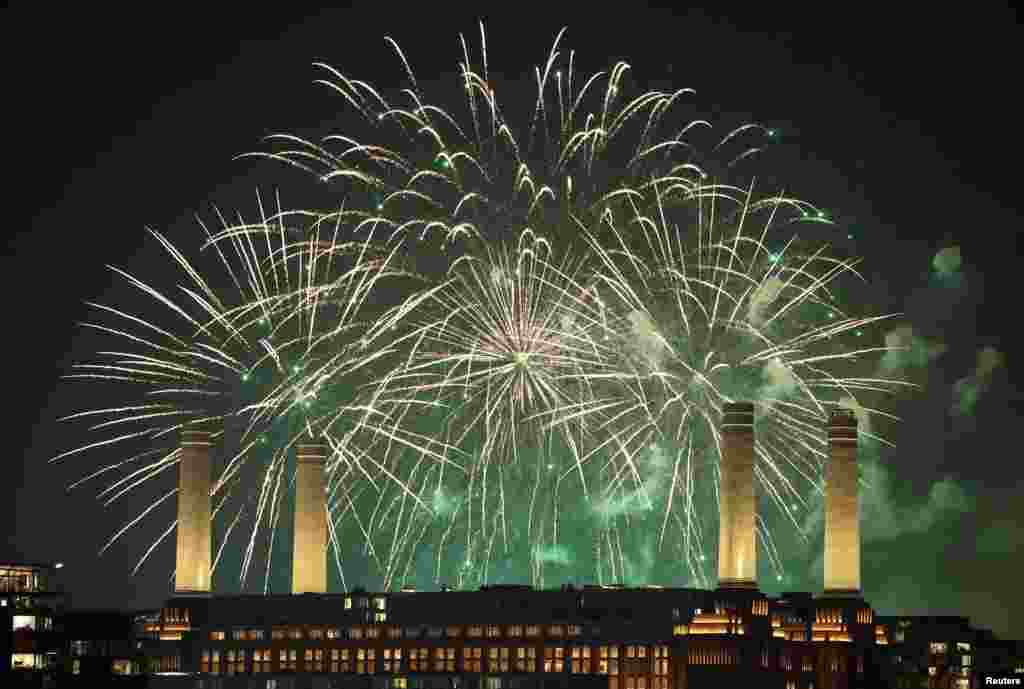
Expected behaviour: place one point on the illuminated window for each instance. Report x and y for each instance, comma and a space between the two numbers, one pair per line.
278, 633
314, 660
472, 659
333, 633
239, 635
316, 633
229, 662
392, 660
965, 661
288, 659
380, 602
449, 660
962, 646
475, 632
515, 631
379, 617
394, 632
493, 631
255, 635
532, 630
453, 632
525, 659
413, 632
937, 647
808, 664
261, 660
295, 632
554, 659
24, 623
493, 683
373, 632
556, 630
786, 661
348, 602
580, 659
355, 633
932, 670
215, 661
398, 683
366, 662
240, 661
341, 660
204, 661
573, 630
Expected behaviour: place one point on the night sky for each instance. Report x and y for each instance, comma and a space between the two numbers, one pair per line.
902, 125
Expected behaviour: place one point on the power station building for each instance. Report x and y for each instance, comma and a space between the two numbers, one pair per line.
515, 637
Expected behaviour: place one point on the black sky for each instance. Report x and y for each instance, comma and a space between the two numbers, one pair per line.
905, 122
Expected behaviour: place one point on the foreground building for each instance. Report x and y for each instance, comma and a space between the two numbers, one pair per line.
515, 637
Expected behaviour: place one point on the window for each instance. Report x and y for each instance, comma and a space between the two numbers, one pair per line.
497, 659
394, 632
475, 632
515, 631
261, 660
366, 661
341, 660
661, 660
526, 659
580, 660
314, 658
532, 630
215, 661
316, 633
554, 659
380, 602
333, 633
255, 635
493, 683
808, 664
493, 631
348, 602
965, 661
937, 647
574, 630
373, 632
932, 670
355, 633
380, 617
418, 659
239, 635
398, 683
471, 659
608, 660
278, 633
413, 632
295, 632
453, 632
962, 646
240, 661
556, 631
288, 660
204, 661
392, 660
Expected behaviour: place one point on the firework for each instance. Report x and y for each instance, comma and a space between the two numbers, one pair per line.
517, 338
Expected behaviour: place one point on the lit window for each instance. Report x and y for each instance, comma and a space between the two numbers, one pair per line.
938, 647
380, 602
380, 617
965, 661
475, 632
453, 632
295, 633
355, 633
493, 631
373, 632
932, 670
238, 635
398, 683
316, 633
348, 602
556, 630
515, 631
962, 646
532, 630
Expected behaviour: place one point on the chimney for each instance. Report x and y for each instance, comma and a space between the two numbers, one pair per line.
737, 506
842, 513
192, 572
309, 559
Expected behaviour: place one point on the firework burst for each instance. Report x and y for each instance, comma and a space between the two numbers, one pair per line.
516, 339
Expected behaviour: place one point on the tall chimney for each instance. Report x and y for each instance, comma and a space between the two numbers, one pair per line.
842, 513
309, 559
737, 506
192, 572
